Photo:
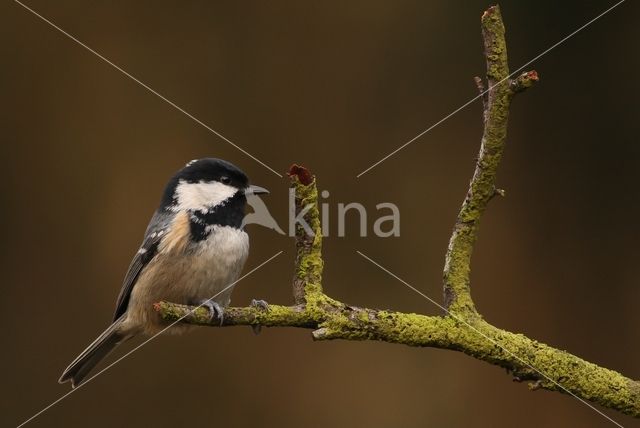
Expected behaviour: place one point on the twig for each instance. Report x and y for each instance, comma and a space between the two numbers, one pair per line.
457, 293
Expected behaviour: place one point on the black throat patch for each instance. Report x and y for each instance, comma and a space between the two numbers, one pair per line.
230, 213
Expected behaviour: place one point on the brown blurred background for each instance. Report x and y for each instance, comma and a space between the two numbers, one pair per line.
334, 86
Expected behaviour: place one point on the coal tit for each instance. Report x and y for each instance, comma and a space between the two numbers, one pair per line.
193, 248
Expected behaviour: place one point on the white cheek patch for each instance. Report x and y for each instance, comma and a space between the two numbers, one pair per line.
202, 195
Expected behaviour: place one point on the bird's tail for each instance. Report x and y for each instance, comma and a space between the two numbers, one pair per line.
90, 357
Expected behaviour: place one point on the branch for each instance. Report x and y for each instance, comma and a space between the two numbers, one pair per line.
340, 321
457, 293
461, 328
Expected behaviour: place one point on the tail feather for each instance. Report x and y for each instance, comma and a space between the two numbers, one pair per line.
90, 357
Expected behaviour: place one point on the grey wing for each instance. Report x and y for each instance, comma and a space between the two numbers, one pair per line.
157, 228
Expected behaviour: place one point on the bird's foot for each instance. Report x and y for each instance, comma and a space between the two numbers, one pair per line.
215, 310
260, 305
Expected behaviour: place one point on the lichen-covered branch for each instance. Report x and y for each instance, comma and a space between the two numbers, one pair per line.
496, 101
331, 319
307, 278
461, 328
515, 352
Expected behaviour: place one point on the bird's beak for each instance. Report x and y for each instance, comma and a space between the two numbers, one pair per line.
255, 190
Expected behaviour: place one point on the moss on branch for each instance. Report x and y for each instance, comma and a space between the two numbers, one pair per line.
524, 358
461, 328
457, 292
307, 281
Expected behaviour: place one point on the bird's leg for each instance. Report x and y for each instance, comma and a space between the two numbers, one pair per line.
260, 305
215, 310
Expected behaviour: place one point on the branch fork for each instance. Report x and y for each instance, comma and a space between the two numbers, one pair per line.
461, 328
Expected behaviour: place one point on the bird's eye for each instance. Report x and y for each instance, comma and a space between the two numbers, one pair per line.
225, 180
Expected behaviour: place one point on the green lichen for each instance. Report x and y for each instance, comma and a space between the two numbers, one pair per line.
495, 44
482, 188
173, 312
309, 261
555, 369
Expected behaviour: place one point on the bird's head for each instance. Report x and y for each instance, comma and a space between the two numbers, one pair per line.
204, 185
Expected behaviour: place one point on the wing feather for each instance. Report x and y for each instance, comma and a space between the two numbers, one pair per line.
158, 227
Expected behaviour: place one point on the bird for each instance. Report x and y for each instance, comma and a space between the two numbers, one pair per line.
193, 249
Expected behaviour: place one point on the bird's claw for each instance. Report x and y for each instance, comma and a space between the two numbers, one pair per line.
260, 305
215, 310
